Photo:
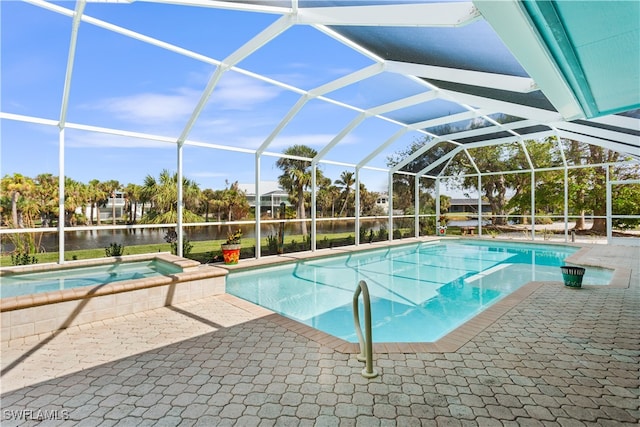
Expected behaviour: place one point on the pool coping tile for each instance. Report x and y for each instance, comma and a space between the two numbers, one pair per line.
450, 342
453, 340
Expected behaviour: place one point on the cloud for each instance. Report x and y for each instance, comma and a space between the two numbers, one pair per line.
233, 92
215, 128
81, 139
238, 92
308, 77
151, 108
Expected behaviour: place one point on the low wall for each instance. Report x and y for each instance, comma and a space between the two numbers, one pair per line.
46, 313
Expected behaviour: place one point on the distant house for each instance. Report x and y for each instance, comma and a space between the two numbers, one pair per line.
271, 195
106, 210
468, 206
383, 202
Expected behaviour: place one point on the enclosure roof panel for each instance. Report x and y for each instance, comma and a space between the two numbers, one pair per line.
570, 68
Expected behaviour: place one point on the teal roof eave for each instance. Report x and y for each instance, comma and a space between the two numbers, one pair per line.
513, 24
553, 31
594, 45
623, 109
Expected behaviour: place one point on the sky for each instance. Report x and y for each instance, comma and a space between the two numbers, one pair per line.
125, 84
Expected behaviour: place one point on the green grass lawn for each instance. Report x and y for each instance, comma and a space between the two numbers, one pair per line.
202, 251
205, 251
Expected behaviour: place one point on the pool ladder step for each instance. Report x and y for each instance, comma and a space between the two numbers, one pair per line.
366, 343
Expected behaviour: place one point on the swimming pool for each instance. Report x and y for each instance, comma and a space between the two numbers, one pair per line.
419, 292
47, 281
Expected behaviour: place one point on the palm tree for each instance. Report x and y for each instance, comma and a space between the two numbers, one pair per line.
236, 202
24, 208
131, 197
29, 209
368, 200
327, 195
97, 193
296, 178
16, 186
207, 197
217, 204
46, 196
163, 195
345, 183
146, 193
137, 191
75, 197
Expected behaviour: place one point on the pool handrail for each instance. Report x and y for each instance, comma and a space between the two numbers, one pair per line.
366, 345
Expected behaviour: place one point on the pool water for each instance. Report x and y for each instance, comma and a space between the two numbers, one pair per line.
37, 282
419, 292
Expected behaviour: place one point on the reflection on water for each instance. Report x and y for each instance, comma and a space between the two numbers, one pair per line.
75, 240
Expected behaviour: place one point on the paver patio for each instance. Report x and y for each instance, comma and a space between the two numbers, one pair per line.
560, 357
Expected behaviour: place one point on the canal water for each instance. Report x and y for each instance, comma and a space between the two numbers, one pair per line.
83, 239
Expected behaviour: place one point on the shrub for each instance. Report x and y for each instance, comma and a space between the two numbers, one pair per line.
23, 259
114, 249
383, 234
171, 237
234, 238
272, 244
544, 220
324, 243
306, 243
363, 233
186, 247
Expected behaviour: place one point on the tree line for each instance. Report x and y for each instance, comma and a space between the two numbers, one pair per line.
28, 202
510, 193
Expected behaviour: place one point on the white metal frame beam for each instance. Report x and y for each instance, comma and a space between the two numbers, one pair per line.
229, 5
611, 145
465, 134
382, 147
318, 92
456, 75
488, 130
510, 108
404, 103
623, 138
75, 25
392, 15
467, 115
269, 33
618, 121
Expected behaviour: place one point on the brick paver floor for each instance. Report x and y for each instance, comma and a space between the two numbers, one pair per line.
561, 357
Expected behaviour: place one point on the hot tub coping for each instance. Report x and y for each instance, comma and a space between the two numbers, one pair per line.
191, 270
183, 263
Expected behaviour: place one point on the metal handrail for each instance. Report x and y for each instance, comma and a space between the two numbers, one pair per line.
366, 345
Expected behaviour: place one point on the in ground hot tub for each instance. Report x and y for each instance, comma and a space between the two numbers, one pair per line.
41, 299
